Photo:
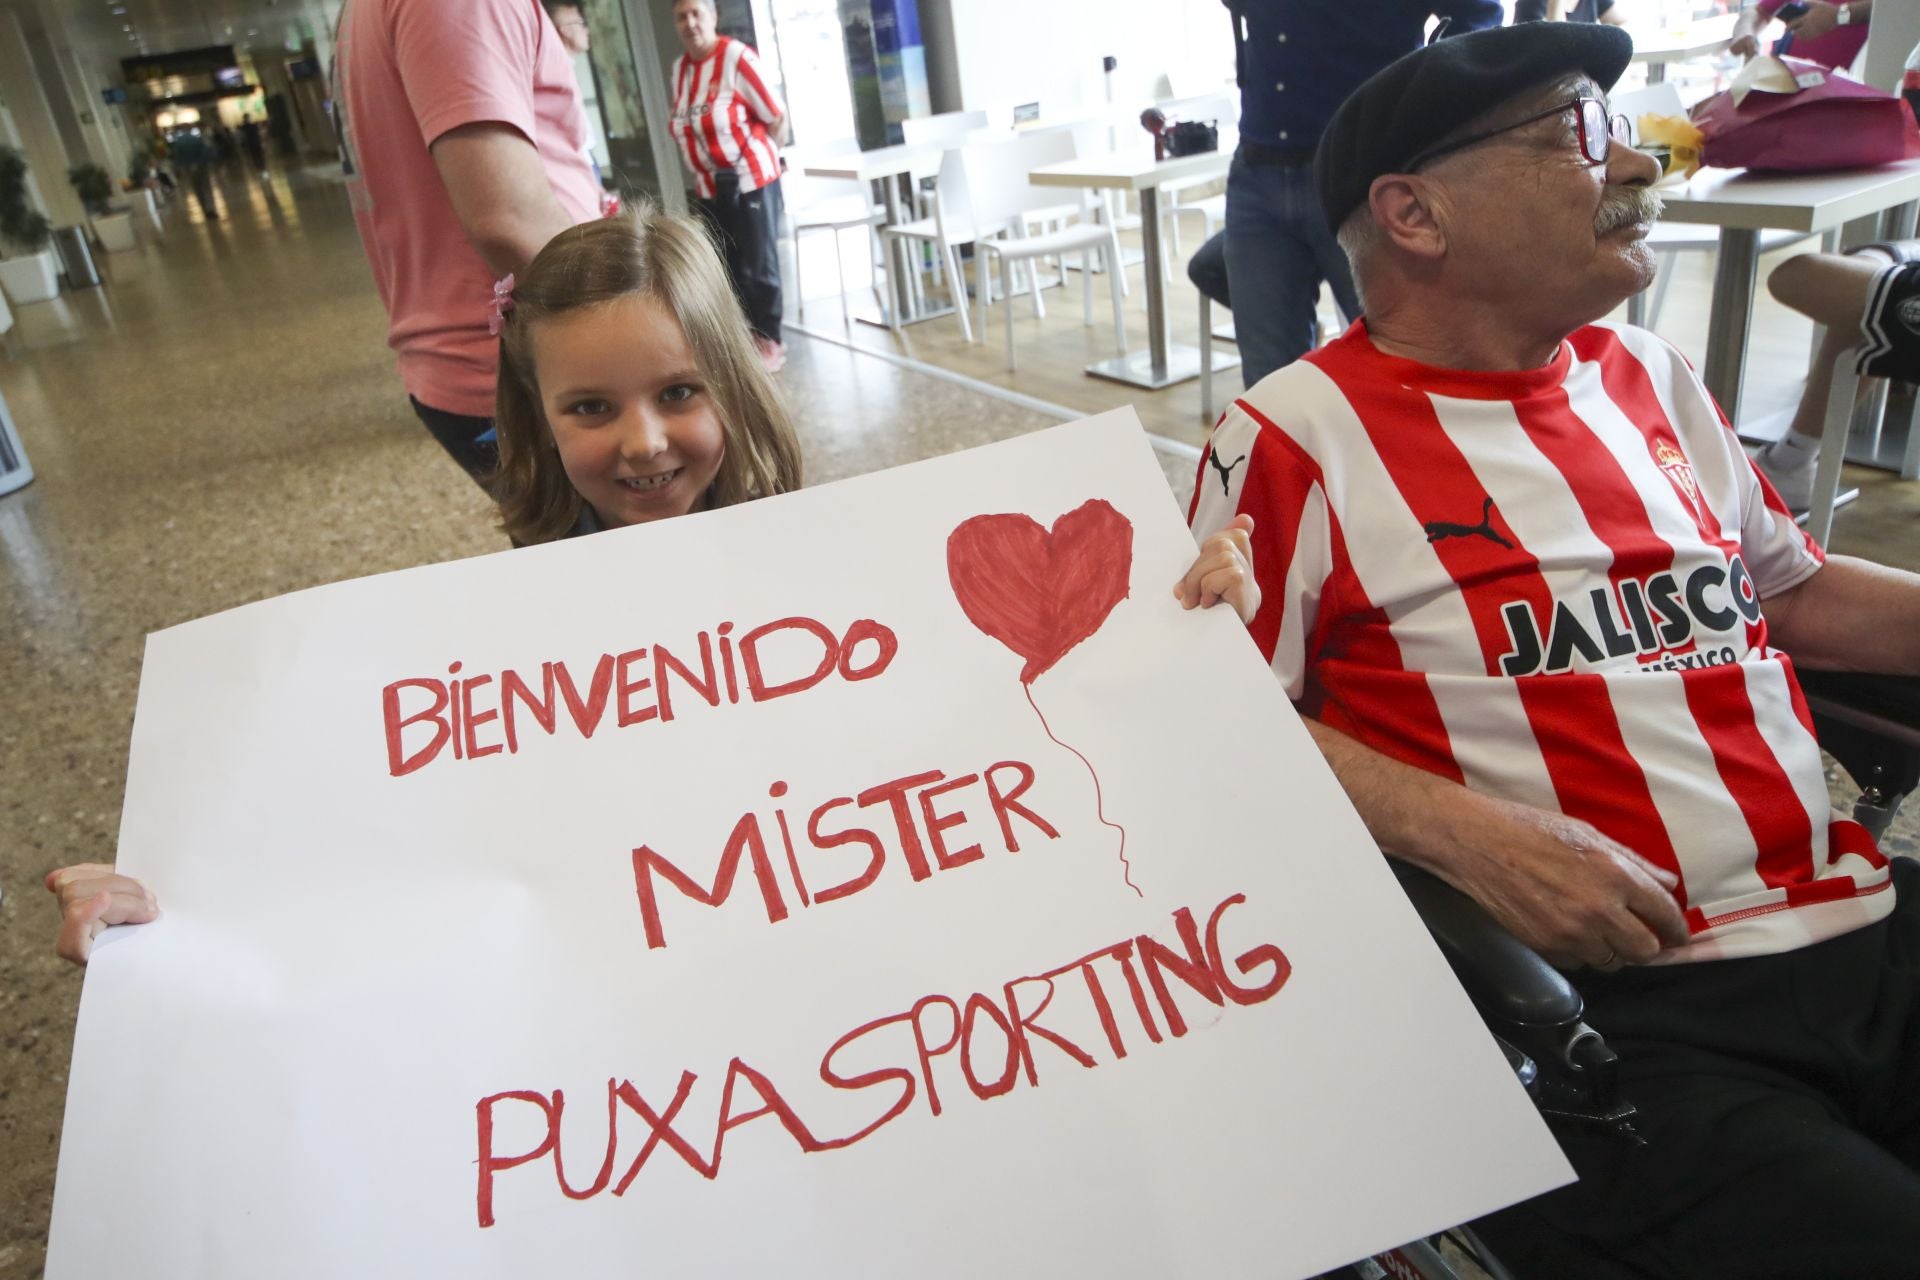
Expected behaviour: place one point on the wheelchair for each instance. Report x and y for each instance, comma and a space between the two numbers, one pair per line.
1870, 724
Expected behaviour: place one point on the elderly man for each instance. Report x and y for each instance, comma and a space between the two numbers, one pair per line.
1538, 607
729, 122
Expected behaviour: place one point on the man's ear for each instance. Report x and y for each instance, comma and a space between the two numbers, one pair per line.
1409, 211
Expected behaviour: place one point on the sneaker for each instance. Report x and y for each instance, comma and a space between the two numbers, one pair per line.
1791, 474
772, 354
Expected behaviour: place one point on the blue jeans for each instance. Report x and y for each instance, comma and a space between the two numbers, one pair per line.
1279, 249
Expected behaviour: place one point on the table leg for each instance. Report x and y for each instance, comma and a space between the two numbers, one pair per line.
1153, 267
1731, 317
1163, 363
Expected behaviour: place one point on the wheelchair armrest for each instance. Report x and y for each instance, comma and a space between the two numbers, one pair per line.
1870, 724
1533, 1011
1506, 978
1888, 705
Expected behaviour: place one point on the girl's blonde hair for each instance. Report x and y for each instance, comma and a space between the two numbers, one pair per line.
670, 259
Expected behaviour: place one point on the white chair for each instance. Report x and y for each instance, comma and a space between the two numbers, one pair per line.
1058, 213
837, 206
1669, 240
1206, 361
951, 225
1833, 444
947, 129
999, 194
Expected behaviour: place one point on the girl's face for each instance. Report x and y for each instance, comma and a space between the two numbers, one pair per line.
639, 436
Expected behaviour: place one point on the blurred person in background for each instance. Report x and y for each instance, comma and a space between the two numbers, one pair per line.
1296, 63
1829, 34
571, 22
728, 124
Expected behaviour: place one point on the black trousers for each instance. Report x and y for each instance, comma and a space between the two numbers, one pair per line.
468, 441
1780, 1099
746, 225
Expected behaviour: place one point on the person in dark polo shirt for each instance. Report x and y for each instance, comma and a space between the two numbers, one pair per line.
1297, 61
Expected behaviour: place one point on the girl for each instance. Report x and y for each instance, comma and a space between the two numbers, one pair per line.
629, 386
629, 391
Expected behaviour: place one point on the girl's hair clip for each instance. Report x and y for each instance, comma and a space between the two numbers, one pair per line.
501, 304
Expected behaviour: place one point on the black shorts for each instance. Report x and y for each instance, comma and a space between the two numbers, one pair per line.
1891, 323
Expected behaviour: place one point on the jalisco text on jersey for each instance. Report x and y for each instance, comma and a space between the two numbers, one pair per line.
1653, 615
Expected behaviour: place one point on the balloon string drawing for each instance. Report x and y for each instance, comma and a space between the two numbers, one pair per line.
1041, 592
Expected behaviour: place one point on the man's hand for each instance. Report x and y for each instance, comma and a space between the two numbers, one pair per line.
1552, 881
1745, 46
1566, 890
92, 896
1815, 22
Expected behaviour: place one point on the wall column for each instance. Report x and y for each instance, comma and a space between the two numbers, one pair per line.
33, 120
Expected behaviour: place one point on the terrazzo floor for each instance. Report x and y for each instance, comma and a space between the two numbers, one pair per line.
219, 424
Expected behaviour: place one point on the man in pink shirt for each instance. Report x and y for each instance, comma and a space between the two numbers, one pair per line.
465, 148
1829, 34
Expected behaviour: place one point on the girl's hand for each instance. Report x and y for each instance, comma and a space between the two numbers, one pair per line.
1223, 571
92, 896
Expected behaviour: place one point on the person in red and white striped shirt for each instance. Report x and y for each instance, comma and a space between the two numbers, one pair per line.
726, 123
1538, 608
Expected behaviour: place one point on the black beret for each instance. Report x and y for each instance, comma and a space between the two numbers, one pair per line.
1416, 101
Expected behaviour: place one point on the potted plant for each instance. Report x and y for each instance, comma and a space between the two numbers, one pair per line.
29, 273
114, 228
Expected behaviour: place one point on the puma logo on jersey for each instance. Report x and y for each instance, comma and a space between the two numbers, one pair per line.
1439, 529
1645, 617
1226, 472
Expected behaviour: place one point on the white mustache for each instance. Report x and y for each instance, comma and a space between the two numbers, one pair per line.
1626, 206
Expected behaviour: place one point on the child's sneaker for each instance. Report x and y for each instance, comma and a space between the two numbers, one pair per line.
1790, 467
772, 354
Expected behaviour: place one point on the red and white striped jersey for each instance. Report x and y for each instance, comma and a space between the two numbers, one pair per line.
1548, 586
721, 110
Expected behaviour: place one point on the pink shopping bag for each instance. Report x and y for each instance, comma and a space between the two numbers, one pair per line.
1787, 113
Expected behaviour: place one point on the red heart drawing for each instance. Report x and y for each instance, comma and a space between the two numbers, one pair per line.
1041, 593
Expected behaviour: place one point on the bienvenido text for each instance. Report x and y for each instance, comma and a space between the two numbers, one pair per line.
471, 717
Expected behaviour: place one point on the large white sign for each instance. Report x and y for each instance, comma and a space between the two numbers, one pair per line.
886, 879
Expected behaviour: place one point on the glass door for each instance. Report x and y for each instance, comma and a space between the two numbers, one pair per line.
628, 95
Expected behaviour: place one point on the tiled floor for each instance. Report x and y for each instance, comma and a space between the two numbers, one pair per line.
222, 424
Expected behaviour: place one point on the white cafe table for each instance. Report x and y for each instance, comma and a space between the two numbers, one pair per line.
1742, 204
1656, 48
1135, 169
884, 165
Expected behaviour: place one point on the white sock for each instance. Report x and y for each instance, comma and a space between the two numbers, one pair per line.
1794, 449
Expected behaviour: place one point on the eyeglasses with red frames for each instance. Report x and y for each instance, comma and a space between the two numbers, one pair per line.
1598, 132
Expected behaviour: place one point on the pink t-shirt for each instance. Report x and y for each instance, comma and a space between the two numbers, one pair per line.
406, 72
1838, 48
